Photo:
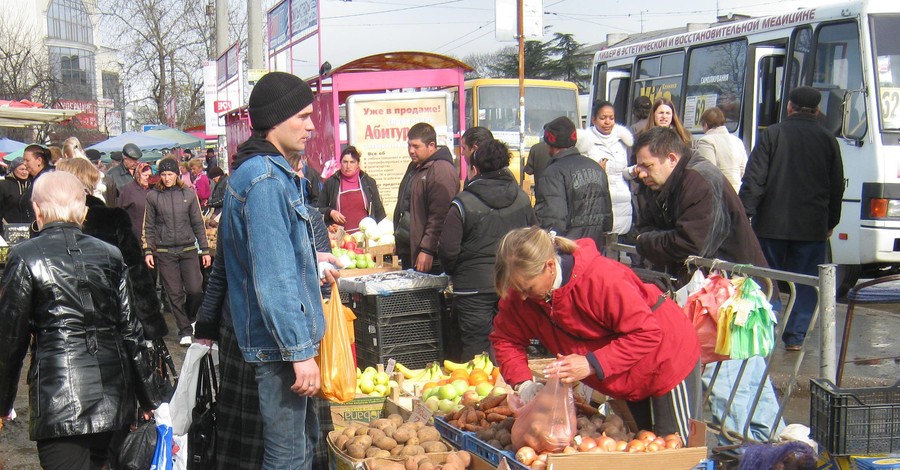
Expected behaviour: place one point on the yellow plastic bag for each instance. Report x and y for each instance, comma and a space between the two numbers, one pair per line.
335, 354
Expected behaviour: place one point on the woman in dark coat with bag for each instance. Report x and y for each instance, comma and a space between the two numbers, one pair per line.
69, 292
350, 195
12, 188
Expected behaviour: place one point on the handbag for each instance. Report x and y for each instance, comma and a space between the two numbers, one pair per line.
139, 447
202, 432
164, 374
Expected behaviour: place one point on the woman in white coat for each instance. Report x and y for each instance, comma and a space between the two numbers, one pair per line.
607, 143
721, 148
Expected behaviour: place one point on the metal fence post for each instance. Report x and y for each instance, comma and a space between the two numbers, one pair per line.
827, 301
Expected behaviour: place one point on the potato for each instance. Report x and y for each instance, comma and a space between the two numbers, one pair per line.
434, 446
495, 444
350, 431
582, 421
402, 435
385, 443
505, 438
413, 441
429, 434
382, 454
364, 441
376, 434
615, 419
389, 430
419, 425
380, 423
412, 450
426, 464
412, 462
362, 430
453, 462
370, 452
385, 465
396, 450
356, 451
486, 434
396, 420
598, 420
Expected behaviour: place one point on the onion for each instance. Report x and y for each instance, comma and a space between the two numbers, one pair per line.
569, 450
606, 443
636, 446
587, 443
621, 446
674, 441
526, 455
654, 446
645, 436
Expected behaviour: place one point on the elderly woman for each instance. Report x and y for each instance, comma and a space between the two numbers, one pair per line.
68, 291
350, 195
721, 148
12, 189
663, 114
201, 182
133, 197
173, 231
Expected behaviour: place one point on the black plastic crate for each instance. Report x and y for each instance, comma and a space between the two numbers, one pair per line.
398, 304
855, 420
413, 356
378, 334
345, 298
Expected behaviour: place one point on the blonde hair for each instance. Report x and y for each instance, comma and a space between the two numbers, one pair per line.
195, 163
525, 251
60, 197
83, 169
72, 149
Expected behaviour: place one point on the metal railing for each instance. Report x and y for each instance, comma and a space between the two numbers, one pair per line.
825, 285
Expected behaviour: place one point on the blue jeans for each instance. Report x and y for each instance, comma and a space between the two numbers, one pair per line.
290, 423
801, 258
766, 408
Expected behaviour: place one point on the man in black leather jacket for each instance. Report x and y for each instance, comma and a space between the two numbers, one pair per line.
69, 292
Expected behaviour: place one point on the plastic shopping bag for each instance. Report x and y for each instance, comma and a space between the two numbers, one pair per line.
162, 459
335, 354
186, 392
548, 421
702, 309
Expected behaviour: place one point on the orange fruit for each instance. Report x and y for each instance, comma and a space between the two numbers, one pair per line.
459, 374
478, 376
428, 386
494, 374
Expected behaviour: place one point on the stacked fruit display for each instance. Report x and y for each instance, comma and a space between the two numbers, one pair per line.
373, 383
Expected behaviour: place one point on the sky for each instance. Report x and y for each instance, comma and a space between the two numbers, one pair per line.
358, 28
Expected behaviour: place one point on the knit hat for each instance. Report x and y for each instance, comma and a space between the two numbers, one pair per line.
560, 133
805, 97
215, 172
276, 97
167, 164
15, 163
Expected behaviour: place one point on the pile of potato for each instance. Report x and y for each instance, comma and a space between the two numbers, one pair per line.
451, 461
389, 437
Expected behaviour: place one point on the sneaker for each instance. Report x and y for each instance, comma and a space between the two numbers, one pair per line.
185, 341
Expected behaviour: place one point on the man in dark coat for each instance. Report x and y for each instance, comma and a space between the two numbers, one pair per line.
480, 216
792, 191
687, 208
573, 193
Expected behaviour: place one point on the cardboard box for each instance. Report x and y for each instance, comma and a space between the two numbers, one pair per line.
671, 459
364, 409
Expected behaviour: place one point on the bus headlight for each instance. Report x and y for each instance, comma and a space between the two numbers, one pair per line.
884, 208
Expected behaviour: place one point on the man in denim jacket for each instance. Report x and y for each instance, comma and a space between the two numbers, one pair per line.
270, 262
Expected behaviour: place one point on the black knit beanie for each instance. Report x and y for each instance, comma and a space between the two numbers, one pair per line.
276, 97
167, 164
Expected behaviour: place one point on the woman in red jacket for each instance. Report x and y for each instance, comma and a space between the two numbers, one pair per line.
608, 329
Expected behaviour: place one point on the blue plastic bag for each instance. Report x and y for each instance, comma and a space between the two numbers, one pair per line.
162, 459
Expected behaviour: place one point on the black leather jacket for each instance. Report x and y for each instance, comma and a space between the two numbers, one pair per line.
88, 358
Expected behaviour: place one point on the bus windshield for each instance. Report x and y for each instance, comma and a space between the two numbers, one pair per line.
498, 108
886, 43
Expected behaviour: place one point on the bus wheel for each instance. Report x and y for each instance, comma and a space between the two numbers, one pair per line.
846, 277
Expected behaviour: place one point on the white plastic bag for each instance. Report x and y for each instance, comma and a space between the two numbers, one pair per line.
179, 452
186, 392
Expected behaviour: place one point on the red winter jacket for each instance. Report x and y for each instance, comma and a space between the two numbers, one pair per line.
606, 310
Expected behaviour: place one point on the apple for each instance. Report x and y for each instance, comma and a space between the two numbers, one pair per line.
433, 403
370, 264
347, 238
446, 406
498, 391
381, 389
366, 385
483, 389
359, 237
471, 397
382, 378
447, 392
460, 385
359, 251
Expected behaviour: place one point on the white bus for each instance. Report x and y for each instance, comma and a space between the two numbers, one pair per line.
849, 51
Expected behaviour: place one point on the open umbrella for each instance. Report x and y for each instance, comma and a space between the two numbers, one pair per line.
143, 140
10, 146
184, 139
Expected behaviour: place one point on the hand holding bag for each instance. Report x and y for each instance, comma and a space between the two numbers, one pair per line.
139, 447
202, 433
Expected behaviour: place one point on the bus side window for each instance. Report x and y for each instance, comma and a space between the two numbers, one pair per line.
838, 75
618, 96
801, 46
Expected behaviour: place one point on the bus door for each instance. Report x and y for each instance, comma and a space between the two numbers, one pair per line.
617, 84
767, 89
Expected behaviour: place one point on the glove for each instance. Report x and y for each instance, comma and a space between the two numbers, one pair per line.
528, 390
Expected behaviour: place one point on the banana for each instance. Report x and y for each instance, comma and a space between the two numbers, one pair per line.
407, 374
486, 365
422, 376
452, 366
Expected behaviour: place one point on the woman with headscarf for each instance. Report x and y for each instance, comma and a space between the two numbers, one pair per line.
66, 295
12, 189
173, 230
133, 197
350, 195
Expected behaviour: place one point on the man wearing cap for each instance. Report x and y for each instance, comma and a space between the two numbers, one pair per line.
573, 193
270, 264
219, 182
792, 190
12, 188
120, 175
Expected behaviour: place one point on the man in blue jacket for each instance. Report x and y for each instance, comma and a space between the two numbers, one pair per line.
270, 263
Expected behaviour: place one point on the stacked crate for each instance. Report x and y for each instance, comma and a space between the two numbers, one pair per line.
404, 326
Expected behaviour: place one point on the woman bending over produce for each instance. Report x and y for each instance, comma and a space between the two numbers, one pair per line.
608, 329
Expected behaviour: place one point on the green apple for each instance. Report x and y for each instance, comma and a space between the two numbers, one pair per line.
498, 391
460, 385
483, 389
447, 392
370, 264
382, 378
433, 403
392, 384
381, 389
446, 406
366, 385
